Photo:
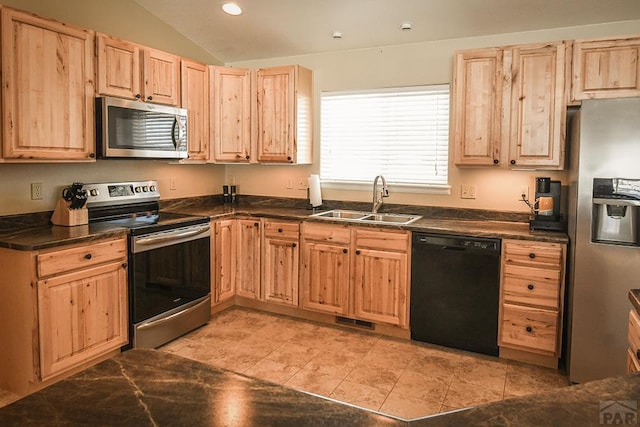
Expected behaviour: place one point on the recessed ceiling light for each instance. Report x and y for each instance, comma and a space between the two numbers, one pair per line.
232, 8
336, 34
406, 26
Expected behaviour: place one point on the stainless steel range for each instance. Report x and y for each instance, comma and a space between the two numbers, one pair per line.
169, 260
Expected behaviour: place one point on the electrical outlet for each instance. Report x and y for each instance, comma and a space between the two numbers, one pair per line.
468, 191
36, 191
289, 183
302, 184
172, 183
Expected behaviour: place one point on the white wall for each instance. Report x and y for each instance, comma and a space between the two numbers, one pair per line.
407, 65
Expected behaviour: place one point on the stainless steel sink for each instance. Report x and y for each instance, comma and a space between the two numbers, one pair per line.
367, 217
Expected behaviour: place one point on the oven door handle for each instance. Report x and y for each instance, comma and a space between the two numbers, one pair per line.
172, 236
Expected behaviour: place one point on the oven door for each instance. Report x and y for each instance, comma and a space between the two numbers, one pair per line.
169, 278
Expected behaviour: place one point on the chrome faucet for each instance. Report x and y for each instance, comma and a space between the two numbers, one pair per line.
377, 197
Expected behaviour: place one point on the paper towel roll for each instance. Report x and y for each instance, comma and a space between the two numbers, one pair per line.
315, 197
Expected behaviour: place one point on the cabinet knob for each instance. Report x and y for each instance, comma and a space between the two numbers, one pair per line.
513, 162
344, 251
247, 157
124, 265
149, 98
496, 161
289, 158
88, 256
255, 224
293, 245
138, 96
532, 255
529, 329
530, 286
279, 230
357, 252
92, 155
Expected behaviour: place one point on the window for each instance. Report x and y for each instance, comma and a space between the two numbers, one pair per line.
401, 133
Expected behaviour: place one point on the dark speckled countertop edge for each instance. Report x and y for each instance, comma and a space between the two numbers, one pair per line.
471, 223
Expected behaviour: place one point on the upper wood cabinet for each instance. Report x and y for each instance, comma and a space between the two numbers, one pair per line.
477, 107
606, 68
133, 71
195, 98
231, 114
47, 89
538, 105
284, 114
510, 101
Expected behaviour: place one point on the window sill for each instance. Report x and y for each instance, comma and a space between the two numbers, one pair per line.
399, 188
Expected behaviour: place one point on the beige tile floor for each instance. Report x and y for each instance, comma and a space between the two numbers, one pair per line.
395, 377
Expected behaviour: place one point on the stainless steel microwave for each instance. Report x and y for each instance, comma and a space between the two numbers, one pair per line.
134, 129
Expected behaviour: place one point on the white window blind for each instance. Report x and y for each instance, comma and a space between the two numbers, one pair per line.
401, 133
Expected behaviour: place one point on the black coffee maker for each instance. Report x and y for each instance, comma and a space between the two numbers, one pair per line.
546, 206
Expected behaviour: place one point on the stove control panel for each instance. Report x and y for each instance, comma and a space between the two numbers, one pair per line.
119, 193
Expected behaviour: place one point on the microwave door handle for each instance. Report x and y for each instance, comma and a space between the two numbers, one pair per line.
176, 142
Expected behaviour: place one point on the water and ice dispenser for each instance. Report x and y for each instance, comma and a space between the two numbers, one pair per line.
615, 216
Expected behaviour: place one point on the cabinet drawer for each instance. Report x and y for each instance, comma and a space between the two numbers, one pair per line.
384, 240
633, 333
287, 230
532, 286
535, 329
80, 257
340, 234
544, 255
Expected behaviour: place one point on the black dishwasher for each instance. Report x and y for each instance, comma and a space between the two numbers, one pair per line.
455, 283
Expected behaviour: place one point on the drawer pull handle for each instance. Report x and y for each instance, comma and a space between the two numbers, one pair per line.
529, 329
532, 255
88, 256
279, 230
357, 252
293, 245
530, 286
344, 251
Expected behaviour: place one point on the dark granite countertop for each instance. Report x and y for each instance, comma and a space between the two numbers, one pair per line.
452, 221
149, 387
634, 297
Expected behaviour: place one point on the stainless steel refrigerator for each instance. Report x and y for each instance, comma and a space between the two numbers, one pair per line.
605, 144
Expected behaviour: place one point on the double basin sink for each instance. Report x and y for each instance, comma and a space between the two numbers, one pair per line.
367, 217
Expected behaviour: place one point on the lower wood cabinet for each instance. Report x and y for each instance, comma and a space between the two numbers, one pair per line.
62, 309
531, 301
356, 272
248, 265
633, 337
224, 259
281, 255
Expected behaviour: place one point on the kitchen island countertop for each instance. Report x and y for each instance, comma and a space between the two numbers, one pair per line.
150, 387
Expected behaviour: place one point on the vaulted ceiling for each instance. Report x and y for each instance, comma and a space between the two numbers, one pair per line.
276, 28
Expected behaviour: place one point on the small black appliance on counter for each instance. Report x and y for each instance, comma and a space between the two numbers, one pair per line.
547, 216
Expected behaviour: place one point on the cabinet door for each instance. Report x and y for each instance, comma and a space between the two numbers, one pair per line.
195, 98
538, 105
231, 114
81, 316
47, 89
161, 71
606, 68
225, 260
118, 67
381, 283
280, 277
276, 112
324, 279
248, 271
477, 107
